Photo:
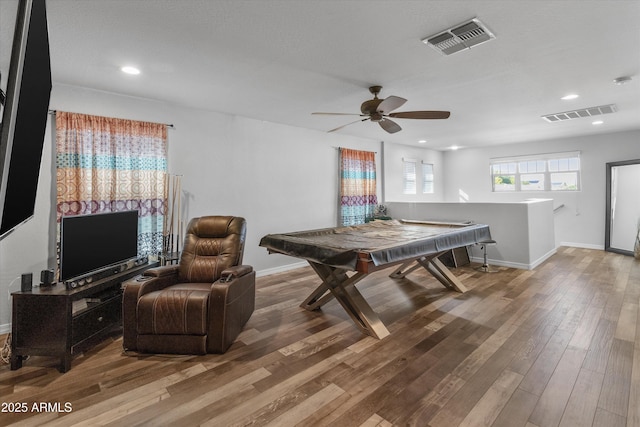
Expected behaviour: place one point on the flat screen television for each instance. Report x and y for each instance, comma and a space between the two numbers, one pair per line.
24, 116
90, 243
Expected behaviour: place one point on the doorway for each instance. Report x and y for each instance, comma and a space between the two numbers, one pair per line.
623, 206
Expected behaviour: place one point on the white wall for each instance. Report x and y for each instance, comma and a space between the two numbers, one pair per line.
581, 222
541, 231
280, 178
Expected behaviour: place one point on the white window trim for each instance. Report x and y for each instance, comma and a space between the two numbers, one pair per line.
544, 156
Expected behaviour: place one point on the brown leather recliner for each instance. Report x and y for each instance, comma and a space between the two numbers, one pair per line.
198, 306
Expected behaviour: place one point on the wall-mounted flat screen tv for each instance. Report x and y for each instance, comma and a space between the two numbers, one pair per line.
24, 116
90, 243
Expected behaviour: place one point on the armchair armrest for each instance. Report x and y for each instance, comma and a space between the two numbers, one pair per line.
234, 272
166, 270
233, 283
152, 279
231, 304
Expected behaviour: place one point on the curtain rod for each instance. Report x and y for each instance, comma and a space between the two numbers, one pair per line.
337, 148
166, 124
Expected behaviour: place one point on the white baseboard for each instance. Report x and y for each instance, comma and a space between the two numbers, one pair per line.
543, 258
500, 263
281, 269
519, 265
5, 329
582, 245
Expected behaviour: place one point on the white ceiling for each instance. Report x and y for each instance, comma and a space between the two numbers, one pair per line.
280, 61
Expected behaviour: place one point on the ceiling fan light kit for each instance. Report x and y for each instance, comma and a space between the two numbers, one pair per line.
379, 110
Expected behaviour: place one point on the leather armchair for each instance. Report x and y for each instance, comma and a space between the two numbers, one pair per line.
198, 306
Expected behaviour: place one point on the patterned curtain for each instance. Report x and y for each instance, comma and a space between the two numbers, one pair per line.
110, 165
357, 186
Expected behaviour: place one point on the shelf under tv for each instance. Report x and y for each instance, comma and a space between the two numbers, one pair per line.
44, 322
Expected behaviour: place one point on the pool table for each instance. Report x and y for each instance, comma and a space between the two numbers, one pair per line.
342, 256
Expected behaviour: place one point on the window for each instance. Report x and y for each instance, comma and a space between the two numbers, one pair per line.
532, 175
417, 177
547, 172
409, 176
565, 174
427, 178
504, 176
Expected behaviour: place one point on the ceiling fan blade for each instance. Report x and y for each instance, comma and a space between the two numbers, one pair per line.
338, 114
390, 103
340, 127
389, 126
421, 115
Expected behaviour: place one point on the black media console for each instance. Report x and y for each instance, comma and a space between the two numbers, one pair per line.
56, 321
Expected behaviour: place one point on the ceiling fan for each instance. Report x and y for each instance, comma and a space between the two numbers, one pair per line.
379, 110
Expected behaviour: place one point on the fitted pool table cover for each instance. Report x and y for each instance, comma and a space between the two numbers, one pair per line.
381, 242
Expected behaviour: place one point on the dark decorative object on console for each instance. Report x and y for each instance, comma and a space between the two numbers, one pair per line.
47, 278
198, 306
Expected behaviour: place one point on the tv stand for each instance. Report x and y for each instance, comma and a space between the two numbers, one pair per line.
54, 321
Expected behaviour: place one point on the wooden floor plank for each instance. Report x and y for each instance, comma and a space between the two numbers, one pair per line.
582, 405
633, 414
457, 408
607, 419
617, 379
537, 377
626, 326
493, 401
517, 410
555, 396
585, 331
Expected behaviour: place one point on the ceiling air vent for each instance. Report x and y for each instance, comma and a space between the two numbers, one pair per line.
460, 37
578, 114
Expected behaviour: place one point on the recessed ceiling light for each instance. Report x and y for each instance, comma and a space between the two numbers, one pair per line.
130, 70
454, 147
570, 96
597, 122
422, 141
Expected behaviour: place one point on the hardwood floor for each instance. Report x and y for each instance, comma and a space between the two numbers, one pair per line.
555, 346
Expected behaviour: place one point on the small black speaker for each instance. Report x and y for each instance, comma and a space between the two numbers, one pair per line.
27, 279
46, 278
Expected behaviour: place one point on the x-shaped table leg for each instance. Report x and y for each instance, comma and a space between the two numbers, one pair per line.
336, 283
434, 266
